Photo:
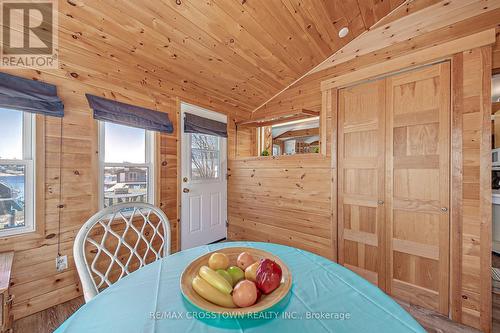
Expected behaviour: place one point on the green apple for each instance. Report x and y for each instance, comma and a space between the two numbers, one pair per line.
226, 276
236, 274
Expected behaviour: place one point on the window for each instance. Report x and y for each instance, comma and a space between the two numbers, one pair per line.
290, 137
127, 162
17, 187
205, 156
276, 150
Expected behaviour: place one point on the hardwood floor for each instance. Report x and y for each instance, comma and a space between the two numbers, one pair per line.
496, 312
495, 262
48, 320
435, 322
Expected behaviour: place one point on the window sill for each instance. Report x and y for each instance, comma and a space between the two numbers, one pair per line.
296, 157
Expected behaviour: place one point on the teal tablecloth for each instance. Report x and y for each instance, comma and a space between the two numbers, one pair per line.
325, 297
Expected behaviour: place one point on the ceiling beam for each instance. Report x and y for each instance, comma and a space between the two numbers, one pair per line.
298, 133
303, 114
495, 107
310, 112
425, 56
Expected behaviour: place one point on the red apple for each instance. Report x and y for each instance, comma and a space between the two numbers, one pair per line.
259, 293
268, 276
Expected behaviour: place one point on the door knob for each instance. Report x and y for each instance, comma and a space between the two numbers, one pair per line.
444, 209
380, 202
185, 190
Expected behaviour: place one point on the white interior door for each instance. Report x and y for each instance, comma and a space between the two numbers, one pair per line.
203, 183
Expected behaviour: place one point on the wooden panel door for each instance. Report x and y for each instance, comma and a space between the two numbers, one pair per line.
417, 186
361, 158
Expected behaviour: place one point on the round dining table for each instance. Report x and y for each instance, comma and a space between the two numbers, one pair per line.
324, 297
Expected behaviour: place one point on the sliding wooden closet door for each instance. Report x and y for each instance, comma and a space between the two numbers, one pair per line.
361, 159
417, 183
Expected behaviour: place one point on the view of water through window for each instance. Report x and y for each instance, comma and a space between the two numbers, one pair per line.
12, 182
12, 176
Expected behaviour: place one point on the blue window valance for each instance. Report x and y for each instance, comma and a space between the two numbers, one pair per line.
30, 96
197, 124
129, 115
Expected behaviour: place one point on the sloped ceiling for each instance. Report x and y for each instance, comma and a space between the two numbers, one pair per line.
233, 55
240, 52
414, 24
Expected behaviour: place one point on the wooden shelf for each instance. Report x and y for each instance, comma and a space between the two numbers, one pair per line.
495, 107
6, 318
304, 114
6, 259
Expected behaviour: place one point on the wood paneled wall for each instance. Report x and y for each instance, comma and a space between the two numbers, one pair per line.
167, 180
471, 176
36, 285
288, 200
285, 199
241, 142
496, 54
92, 60
259, 217
282, 200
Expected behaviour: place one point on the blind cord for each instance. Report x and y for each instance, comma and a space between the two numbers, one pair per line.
60, 205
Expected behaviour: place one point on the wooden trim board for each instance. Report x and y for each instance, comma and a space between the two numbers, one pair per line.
40, 175
485, 190
6, 259
456, 227
406, 62
304, 114
495, 107
409, 25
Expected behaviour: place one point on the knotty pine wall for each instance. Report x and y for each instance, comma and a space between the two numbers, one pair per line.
287, 200
36, 285
496, 54
471, 177
242, 142
282, 200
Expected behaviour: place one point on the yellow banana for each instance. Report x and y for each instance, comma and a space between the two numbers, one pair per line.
205, 290
217, 281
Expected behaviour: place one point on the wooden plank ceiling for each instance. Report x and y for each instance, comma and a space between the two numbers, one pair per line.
240, 52
414, 25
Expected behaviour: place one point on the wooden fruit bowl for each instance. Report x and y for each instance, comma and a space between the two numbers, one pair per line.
264, 302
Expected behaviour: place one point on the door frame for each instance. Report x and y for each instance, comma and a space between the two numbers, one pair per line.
183, 151
335, 89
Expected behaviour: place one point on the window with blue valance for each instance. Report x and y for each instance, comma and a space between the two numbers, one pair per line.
31, 96
197, 124
129, 115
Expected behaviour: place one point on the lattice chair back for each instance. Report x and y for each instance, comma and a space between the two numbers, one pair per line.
118, 240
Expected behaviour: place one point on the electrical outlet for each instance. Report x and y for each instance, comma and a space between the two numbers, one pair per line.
61, 263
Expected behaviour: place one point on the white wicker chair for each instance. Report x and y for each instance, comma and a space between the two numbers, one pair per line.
117, 235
